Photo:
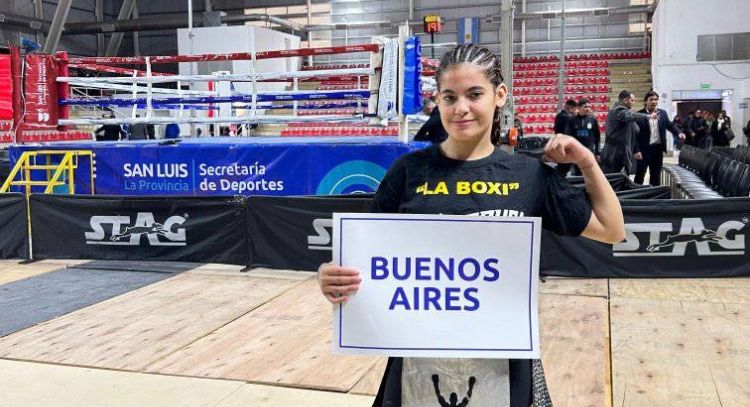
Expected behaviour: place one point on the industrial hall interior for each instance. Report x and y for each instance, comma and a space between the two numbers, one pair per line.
386, 203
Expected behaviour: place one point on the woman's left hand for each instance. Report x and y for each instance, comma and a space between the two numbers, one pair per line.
564, 149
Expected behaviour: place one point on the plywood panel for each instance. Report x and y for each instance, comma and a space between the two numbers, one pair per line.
133, 330
287, 341
574, 286
370, 382
575, 349
667, 353
723, 290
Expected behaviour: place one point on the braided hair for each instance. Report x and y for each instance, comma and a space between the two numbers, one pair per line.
488, 63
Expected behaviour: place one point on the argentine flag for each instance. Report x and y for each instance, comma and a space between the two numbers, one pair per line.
468, 30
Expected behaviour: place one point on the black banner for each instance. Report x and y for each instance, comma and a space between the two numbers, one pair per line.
205, 229
665, 238
296, 232
660, 192
14, 236
618, 181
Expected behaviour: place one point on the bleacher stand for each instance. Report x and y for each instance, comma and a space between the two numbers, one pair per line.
595, 77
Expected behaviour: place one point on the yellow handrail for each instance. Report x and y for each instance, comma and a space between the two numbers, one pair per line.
67, 165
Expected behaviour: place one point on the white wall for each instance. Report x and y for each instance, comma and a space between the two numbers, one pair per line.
676, 26
239, 38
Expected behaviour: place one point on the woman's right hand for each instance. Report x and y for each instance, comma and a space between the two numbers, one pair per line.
338, 283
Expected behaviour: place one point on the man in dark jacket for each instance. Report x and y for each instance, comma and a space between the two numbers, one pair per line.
620, 148
699, 128
561, 120
561, 123
585, 128
687, 128
652, 140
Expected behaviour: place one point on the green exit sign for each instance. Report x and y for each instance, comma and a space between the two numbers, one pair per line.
705, 86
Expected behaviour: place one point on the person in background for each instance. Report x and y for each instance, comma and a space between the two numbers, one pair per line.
678, 122
652, 140
432, 130
138, 131
724, 112
172, 131
562, 117
198, 132
720, 130
687, 128
746, 132
699, 129
621, 150
428, 105
561, 123
110, 132
708, 141
585, 128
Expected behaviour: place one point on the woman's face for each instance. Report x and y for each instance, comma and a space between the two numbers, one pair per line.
467, 102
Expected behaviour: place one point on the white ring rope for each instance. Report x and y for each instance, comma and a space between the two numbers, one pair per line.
210, 78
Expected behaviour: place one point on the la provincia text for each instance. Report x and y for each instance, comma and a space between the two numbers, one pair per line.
234, 178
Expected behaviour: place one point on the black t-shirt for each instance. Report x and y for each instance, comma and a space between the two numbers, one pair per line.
500, 184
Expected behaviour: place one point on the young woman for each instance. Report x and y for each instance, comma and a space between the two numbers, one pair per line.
471, 95
720, 128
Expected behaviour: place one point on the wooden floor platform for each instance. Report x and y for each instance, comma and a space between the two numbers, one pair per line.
266, 334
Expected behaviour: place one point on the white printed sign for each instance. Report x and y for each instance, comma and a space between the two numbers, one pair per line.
388, 89
439, 285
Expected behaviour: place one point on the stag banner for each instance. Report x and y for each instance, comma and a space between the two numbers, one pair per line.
664, 238
205, 230
295, 232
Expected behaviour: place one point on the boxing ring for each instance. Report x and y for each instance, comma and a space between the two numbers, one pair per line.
340, 127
